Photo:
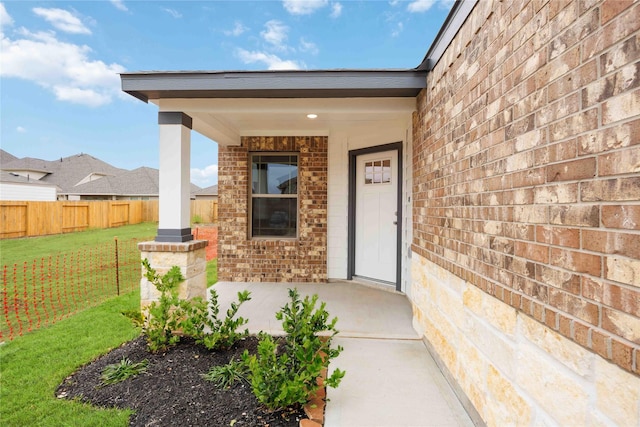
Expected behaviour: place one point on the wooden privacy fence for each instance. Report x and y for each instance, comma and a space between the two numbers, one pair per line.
30, 219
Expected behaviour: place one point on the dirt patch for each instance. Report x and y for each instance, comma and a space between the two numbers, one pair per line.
172, 391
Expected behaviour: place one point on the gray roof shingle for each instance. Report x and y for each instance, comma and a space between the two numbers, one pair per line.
208, 191
138, 182
6, 157
68, 172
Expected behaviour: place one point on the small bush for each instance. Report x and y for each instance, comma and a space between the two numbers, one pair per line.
135, 316
224, 376
164, 316
191, 317
118, 372
224, 333
283, 376
208, 329
197, 219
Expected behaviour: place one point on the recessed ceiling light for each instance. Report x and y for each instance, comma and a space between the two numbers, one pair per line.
312, 116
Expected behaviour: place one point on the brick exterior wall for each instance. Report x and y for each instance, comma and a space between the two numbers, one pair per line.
526, 166
242, 259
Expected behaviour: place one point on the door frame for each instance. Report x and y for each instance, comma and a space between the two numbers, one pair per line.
351, 227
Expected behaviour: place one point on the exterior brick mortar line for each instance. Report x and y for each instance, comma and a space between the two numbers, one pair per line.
634, 367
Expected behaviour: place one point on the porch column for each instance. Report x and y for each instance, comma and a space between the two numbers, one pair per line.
174, 245
174, 181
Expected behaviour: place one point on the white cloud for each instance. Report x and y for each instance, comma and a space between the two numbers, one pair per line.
5, 19
420, 5
336, 10
396, 32
275, 33
63, 20
20, 129
119, 4
172, 12
237, 30
205, 177
272, 62
77, 95
63, 68
310, 47
303, 7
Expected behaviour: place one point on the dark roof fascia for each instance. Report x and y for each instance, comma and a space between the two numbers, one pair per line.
274, 84
457, 16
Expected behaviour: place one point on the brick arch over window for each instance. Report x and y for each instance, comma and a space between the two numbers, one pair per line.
243, 259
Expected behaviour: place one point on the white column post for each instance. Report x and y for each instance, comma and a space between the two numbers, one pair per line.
174, 181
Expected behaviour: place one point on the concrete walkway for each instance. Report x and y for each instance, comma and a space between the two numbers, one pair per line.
391, 379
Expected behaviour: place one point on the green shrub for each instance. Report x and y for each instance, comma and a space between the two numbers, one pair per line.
285, 375
163, 318
208, 329
224, 332
118, 372
136, 317
197, 219
224, 376
190, 317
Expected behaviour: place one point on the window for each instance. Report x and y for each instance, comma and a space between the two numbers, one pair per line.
377, 172
274, 195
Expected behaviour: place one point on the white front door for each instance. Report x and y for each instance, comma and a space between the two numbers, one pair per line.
376, 216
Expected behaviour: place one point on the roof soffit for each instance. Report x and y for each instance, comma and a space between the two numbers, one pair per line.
226, 120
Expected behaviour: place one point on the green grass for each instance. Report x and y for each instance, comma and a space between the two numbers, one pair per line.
212, 272
30, 248
32, 367
68, 273
72, 272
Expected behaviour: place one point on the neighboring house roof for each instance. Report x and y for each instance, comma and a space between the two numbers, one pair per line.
67, 172
208, 191
9, 177
6, 157
138, 182
72, 170
83, 175
28, 164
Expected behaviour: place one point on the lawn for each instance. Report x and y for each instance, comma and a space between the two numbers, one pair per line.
34, 365
45, 279
29, 248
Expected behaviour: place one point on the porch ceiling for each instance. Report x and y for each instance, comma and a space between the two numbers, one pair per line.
227, 105
226, 120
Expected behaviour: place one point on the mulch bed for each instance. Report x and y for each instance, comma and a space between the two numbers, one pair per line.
172, 391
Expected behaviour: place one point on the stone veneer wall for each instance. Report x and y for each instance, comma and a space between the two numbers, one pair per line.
304, 259
189, 256
526, 184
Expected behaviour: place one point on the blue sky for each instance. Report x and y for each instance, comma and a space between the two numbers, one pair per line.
59, 62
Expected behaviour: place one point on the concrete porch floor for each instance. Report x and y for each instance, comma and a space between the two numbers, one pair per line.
391, 379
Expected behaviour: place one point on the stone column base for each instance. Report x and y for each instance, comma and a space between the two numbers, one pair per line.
189, 256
